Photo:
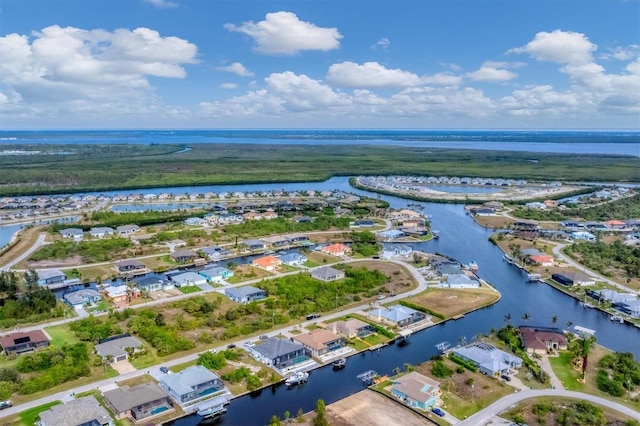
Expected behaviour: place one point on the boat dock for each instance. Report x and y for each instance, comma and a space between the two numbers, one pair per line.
368, 376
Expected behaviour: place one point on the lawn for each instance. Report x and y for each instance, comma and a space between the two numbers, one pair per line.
103, 305
146, 360
451, 302
61, 335
358, 344
566, 373
375, 339
93, 272
29, 417
188, 289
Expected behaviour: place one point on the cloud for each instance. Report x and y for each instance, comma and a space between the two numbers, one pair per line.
490, 72
236, 68
85, 70
282, 33
382, 44
443, 78
565, 47
162, 4
369, 74
544, 100
228, 86
623, 53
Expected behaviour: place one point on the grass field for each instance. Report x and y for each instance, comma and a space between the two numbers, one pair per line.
102, 167
61, 335
188, 289
30, 416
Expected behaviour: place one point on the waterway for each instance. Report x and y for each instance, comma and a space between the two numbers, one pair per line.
460, 238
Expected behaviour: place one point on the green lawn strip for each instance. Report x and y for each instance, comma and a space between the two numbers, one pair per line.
147, 360
30, 417
566, 373
61, 335
358, 344
179, 367
375, 339
103, 305
189, 289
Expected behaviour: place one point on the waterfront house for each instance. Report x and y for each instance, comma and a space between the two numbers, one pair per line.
484, 211
255, 244
352, 328
75, 234
195, 221
293, 259
153, 282
489, 359
396, 250
396, 315
126, 230
85, 411
542, 340
446, 268
628, 307
610, 295
83, 297
320, 341
130, 267
277, 241
583, 235
279, 352
101, 232
47, 277
245, 294
192, 383
121, 294
297, 238
573, 278
214, 252
391, 234
336, 249
183, 256
188, 279
459, 281
22, 342
416, 390
267, 263
541, 259
526, 225
327, 273
216, 274
117, 346
139, 402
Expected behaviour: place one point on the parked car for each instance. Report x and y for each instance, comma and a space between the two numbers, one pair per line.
264, 337
506, 377
381, 296
5, 404
231, 346
164, 369
313, 316
437, 412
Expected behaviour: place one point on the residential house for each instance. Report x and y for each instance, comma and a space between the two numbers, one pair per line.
277, 241
255, 244
224, 218
121, 294
303, 219
83, 297
116, 347
131, 267
446, 268
269, 214
187, 279
396, 315
583, 235
183, 256
336, 249
459, 281
192, 383
363, 223
138, 403
526, 225
214, 252
484, 211
101, 232
279, 352
268, 263
327, 273
22, 342
541, 259
320, 341
85, 411
610, 295
126, 230
352, 328
251, 216
293, 259
196, 221
216, 274
573, 278
416, 390
245, 294
75, 234
391, 234
152, 282
628, 307
396, 250
489, 360
47, 277
542, 340
297, 238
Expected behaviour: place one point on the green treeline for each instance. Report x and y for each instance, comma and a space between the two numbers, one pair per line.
626, 208
25, 301
421, 309
602, 257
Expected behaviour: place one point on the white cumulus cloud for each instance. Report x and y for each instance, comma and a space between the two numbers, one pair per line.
283, 33
228, 86
488, 72
382, 44
369, 74
565, 47
236, 68
623, 53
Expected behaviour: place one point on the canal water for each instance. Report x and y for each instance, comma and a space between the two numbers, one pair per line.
462, 239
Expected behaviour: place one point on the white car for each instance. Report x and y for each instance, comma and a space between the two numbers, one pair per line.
381, 296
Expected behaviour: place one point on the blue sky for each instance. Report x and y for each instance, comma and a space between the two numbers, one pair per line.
429, 64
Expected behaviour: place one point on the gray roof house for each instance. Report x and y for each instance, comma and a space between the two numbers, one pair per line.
138, 403
459, 281
191, 383
293, 259
327, 273
85, 411
50, 276
245, 294
75, 233
279, 352
127, 229
131, 267
255, 244
116, 347
153, 282
489, 359
82, 297
397, 315
101, 231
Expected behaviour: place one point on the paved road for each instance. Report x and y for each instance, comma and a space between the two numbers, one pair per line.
40, 242
484, 417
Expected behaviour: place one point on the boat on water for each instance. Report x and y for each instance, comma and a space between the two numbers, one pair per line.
339, 363
436, 234
473, 265
297, 378
534, 278
508, 259
617, 318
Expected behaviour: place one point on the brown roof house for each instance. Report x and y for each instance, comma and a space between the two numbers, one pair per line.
20, 342
320, 341
542, 340
352, 327
140, 402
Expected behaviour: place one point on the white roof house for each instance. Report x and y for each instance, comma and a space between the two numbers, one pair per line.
489, 359
188, 278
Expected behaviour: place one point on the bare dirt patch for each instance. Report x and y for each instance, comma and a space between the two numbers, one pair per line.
454, 302
493, 221
56, 263
400, 279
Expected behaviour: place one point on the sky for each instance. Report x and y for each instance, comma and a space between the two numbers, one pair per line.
412, 64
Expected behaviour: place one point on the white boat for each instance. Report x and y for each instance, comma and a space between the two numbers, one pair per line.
339, 363
617, 318
473, 265
297, 378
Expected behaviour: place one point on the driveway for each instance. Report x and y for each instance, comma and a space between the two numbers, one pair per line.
123, 367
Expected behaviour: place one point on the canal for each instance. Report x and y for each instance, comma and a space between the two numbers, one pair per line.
462, 239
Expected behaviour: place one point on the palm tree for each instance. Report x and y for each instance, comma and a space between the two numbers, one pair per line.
526, 317
554, 319
507, 319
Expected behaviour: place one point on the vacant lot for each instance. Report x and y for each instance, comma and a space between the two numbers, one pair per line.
400, 279
493, 221
454, 302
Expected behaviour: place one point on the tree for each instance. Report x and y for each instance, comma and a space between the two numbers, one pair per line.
300, 416
320, 419
275, 421
526, 317
554, 319
507, 319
